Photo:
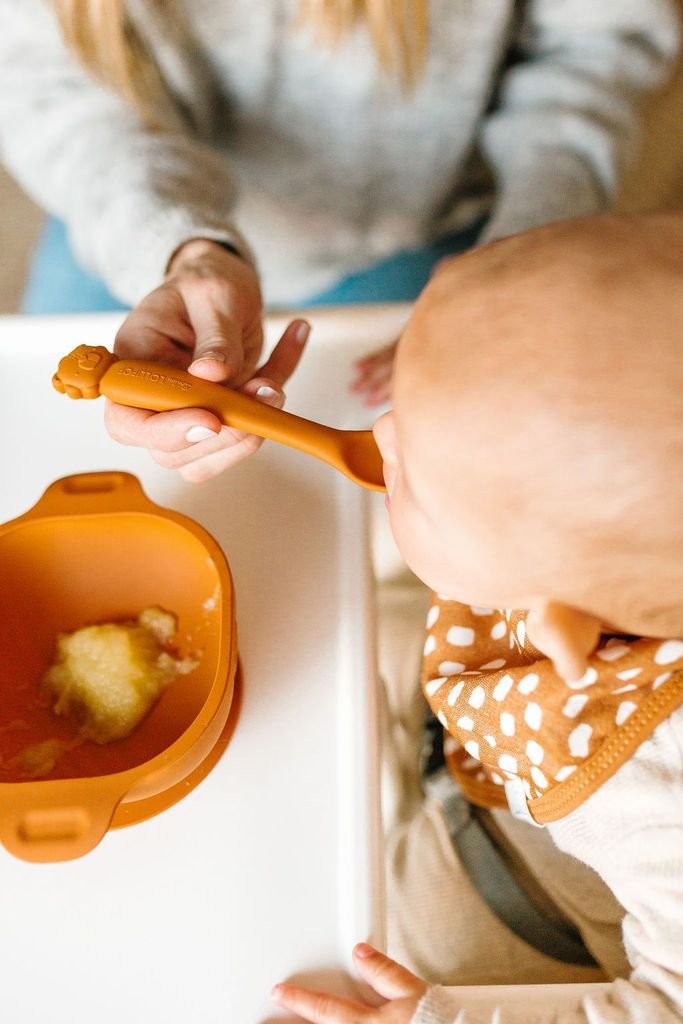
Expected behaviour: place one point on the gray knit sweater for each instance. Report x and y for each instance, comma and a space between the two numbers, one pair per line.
306, 156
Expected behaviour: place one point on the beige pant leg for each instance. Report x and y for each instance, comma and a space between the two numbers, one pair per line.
439, 926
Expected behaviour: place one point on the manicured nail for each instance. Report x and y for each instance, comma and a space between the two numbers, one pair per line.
362, 950
195, 434
302, 332
276, 992
265, 392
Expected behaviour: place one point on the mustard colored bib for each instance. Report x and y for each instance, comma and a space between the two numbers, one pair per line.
521, 735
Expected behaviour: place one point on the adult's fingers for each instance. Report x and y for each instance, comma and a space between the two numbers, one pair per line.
285, 357
319, 1007
173, 431
203, 467
157, 329
388, 978
213, 456
218, 349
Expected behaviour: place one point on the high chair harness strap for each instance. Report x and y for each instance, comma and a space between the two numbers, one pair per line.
501, 879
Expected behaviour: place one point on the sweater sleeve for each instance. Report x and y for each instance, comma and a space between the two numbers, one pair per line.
565, 123
631, 832
128, 195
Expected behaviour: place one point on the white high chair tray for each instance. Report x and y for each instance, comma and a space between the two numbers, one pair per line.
272, 866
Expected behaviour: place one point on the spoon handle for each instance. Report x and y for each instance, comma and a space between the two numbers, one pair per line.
92, 370
149, 385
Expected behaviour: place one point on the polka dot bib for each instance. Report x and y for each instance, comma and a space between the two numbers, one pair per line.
513, 722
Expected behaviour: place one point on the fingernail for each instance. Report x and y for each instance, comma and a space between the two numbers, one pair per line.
362, 950
265, 392
276, 992
195, 434
302, 332
217, 355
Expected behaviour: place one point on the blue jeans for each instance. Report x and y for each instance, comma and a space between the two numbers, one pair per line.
56, 283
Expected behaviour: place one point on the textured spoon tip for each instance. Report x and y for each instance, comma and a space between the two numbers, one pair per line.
79, 373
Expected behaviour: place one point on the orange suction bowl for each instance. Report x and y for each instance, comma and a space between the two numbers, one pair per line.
96, 549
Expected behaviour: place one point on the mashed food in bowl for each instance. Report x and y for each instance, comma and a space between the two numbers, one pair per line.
107, 677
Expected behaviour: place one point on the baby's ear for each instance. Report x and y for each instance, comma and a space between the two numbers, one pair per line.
565, 635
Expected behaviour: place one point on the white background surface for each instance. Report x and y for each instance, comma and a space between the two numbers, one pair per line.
272, 866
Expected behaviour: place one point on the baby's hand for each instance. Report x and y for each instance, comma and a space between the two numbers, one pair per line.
401, 990
373, 375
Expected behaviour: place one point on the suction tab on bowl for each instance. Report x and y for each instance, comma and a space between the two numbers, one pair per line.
56, 821
80, 372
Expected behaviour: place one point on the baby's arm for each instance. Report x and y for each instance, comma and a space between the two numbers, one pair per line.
566, 119
631, 832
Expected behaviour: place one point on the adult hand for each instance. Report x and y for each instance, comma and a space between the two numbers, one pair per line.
205, 318
373, 375
401, 990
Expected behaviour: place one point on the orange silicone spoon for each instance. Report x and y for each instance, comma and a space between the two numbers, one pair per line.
90, 371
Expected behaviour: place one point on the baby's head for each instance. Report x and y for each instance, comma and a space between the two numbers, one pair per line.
534, 457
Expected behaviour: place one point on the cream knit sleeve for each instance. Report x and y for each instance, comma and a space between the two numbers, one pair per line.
631, 832
129, 195
565, 122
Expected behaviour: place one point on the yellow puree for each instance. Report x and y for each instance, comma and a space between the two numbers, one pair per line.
107, 677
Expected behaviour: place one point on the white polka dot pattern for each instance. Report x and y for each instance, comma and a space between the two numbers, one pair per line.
575, 704
434, 684
528, 684
533, 716
455, 692
538, 777
624, 711
511, 715
460, 636
535, 752
507, 724
503, 687
477, 696
670, 651
450, 668
579, 739
433, 615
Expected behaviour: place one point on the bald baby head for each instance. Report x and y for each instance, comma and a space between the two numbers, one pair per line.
538, 422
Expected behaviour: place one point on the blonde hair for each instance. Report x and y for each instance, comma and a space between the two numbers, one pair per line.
104, 38
399, 29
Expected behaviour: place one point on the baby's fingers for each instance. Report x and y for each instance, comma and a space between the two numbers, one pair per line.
373, 375
381, 357
388, 978
319, 1007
